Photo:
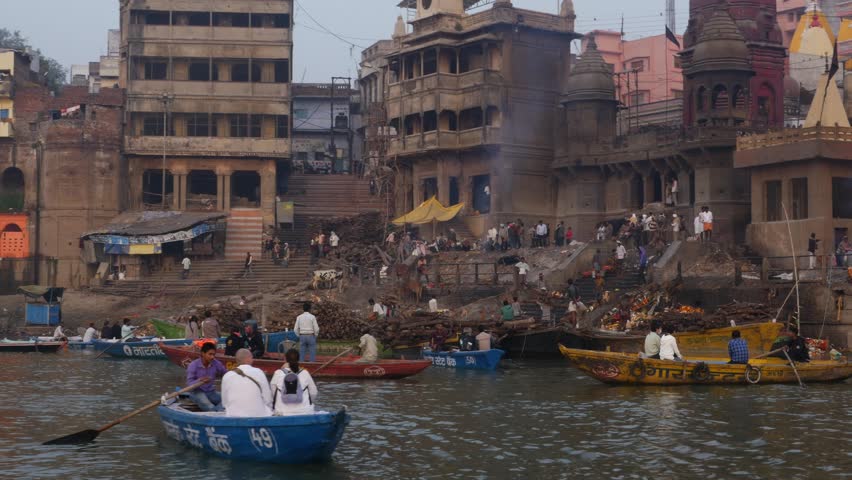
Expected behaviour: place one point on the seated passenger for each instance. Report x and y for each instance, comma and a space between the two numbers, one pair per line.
295, 390
439, 337
652, 341
483, 339
369, 348
245, 392
206, 368
668, 346
234, 342
254, 340
737, 349
797, 348
467, 342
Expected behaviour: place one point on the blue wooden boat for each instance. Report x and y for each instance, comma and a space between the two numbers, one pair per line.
150, 349
287, 439
473, 360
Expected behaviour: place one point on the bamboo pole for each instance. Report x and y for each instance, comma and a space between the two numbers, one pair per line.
795, 269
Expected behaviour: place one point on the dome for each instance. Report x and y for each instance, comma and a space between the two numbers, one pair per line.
791, 87
591, 78
720, 46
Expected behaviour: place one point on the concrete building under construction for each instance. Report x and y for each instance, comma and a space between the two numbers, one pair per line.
208, 102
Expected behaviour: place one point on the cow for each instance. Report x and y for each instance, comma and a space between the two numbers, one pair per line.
325, 278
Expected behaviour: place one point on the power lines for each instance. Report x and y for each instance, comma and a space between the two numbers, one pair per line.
326, 30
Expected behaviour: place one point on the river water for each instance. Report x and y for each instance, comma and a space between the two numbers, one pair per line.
533, 420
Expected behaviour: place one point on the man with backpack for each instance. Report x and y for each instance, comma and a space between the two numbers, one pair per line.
293, 389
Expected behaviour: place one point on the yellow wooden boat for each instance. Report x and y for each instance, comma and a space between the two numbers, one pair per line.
712, 342
623, 368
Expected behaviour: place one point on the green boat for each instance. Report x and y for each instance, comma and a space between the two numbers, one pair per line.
168, 329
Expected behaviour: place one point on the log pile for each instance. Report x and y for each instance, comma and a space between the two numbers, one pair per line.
357, 235
336, 320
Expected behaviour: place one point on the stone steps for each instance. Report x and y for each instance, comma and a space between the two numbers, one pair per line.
244, 234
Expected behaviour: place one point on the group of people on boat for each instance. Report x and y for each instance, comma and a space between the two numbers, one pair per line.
245, 390
661, 344
483, 340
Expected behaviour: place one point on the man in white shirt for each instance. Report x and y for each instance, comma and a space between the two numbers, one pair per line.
58, 333
186, 262
245, 391
674, 191
540, 233
483, 339
333, 242
369, 348
433, 305
90, 334
127, 330
377, 310
708, 225
523, 269
668, 346
307, 329
652, 341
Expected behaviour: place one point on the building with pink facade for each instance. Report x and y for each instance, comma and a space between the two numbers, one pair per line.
653, 59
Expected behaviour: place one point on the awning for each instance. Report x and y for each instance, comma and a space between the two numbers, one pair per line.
429, 211
149, 230
49, 294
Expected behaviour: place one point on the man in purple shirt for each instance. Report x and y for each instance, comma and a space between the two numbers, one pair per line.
206, 367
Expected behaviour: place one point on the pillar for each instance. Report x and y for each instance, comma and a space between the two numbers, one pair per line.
443, 182
220, 192
226, 196
176, 191
648, 187
184, 191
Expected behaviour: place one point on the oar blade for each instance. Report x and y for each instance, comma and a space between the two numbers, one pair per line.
78, 438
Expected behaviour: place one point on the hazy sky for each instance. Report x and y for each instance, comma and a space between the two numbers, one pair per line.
74, 31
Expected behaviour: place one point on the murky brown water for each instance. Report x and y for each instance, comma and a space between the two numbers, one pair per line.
536, 420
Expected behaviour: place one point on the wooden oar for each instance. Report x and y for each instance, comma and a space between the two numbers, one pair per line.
87, 436
794, 368
331, 361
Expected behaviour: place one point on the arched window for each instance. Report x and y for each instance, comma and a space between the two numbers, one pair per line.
12, 189
739, 98
701, 99
720, 98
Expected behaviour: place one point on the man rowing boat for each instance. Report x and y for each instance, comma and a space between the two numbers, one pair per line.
206, 367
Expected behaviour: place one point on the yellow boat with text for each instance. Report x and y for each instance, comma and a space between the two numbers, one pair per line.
624, 368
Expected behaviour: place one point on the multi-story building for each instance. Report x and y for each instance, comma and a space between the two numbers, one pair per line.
472, 98
324, 119
208, 102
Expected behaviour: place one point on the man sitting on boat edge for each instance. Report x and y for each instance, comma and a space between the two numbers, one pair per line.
369, 348
738, 349
245, 392
206, 367
668, 346
652, 341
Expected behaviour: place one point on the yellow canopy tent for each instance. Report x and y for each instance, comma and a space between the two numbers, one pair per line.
430, 211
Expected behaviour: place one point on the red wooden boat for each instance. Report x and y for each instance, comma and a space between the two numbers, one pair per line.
344, 367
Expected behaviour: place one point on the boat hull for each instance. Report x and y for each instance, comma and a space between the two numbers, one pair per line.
475, 360
622, 368
343, 368
290, 439
150, 350
31, 347
759, 337
541, 343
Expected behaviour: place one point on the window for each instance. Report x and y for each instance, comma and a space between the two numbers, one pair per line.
300, 113
282, 126
240, 72
199, 72
773, 201
256, 126
282, 71
156, 70
720, 98
156, 18
637, 65
841, 192
302, 156
231, 19
198, 19
153, 125
430, 121
677, 93
638, 98
678, 62
319, 155
239, 125
259, 20
199, 125
4, 113
799, 187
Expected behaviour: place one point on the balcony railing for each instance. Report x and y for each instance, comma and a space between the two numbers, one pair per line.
446, 81
209, 146
445, 140
213, 89
210, 34
794, 135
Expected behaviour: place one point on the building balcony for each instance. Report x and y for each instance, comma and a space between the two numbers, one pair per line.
445, 81
7, 129
794, 144
492, 16
444, 140
187, 88
232, 35
209, 146
7, 88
